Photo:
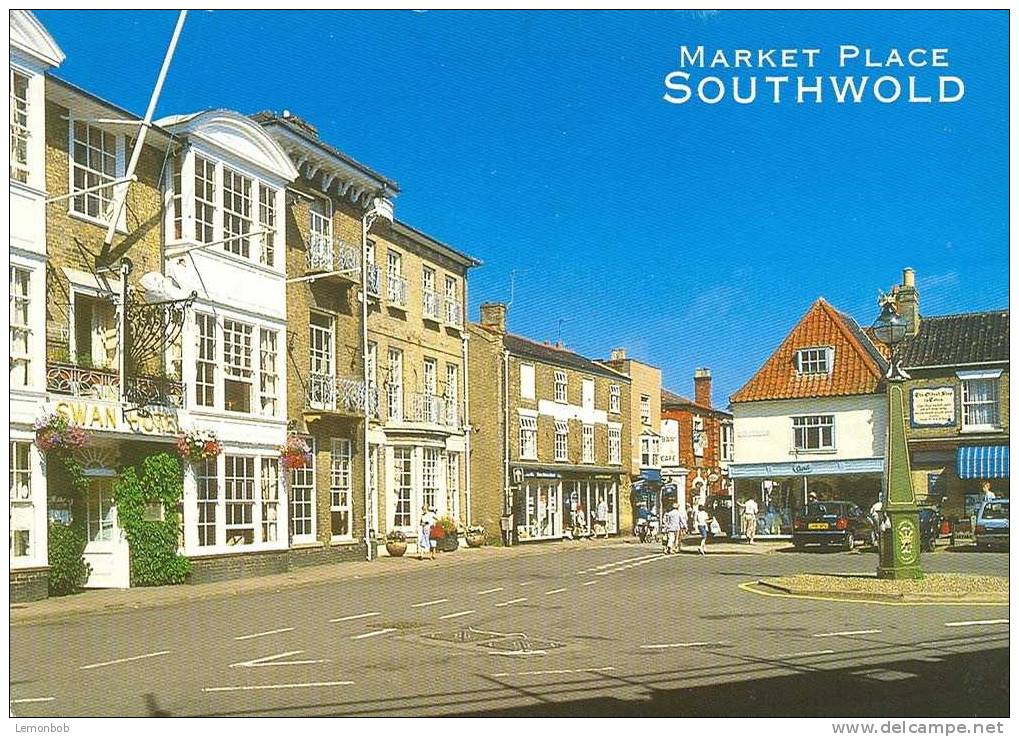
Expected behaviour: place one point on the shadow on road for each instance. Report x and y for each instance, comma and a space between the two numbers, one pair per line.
960, 685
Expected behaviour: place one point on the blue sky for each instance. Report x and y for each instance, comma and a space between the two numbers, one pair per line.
693, 235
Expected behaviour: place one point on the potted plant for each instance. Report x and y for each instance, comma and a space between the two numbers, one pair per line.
195, 446
475, 536
396, 543
450, 540
54, 432
295, 453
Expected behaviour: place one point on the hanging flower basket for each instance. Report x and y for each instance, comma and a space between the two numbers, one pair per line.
195, 446
295, 453
53, 432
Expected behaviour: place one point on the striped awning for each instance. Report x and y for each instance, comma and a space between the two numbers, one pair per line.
982, 462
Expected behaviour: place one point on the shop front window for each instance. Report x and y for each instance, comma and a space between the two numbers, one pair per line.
541, 517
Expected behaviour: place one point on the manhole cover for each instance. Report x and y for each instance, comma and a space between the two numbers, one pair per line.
465, 635
520, 644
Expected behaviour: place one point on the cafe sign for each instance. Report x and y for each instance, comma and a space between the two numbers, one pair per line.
932, 407
97, 416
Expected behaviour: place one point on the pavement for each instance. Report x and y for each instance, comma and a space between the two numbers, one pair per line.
92, 601
588, 628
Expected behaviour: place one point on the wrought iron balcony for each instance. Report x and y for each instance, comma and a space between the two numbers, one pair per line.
430, 304
331, 394
396, 292
104, 385
374, 281
336, 258
454, 314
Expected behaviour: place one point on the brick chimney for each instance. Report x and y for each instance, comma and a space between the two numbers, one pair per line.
493, 317
618, 354
702, 386
907, 301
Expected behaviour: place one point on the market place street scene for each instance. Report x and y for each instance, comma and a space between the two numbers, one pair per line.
384, 396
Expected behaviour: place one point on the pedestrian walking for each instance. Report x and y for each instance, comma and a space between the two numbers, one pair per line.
579, 522
701, 519
750, 519
601, 516
672, 522
425, 541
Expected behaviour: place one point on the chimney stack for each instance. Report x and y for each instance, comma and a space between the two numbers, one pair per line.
702, 386
493, 317
907, 301
618, 354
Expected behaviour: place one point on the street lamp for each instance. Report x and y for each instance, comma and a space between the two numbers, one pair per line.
900, 535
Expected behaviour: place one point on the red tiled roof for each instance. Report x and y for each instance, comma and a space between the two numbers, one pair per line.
856, 370
671, 400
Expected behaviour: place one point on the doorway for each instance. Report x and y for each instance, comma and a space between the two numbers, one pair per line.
107, 550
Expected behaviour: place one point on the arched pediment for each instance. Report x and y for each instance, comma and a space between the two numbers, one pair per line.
237, 135
30, 37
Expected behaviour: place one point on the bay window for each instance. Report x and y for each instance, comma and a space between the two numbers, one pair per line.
429, 477
205, 365
21, 507
269, 373
453, 485
207, 478
20, 333
267, 224
205, 200
19, 127
237, 366
239, 495
270, 498
236, 212
403, 478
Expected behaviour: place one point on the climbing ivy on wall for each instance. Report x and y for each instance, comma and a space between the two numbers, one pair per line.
147, 512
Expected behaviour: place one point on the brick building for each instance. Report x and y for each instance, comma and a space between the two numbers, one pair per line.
697, 444
549, 433
957, 401
329, 206
643, 453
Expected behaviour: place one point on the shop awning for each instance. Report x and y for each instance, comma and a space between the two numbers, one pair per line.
982, 462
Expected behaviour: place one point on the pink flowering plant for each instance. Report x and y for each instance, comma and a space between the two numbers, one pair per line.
295, 453
198, 445
54, 432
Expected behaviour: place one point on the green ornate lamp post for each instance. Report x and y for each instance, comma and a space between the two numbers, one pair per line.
900, 535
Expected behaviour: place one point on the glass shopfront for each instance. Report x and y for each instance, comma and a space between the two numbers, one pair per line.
780, 500
585, 494
537, 510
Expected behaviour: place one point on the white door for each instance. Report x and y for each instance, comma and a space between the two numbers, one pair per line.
107, 549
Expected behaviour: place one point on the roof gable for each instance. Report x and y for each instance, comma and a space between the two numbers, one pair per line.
523, 348
857, 367
236, 134
30, 37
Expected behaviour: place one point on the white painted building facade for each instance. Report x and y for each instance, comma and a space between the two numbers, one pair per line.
32, 53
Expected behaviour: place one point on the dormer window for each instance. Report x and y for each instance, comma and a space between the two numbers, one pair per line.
815, 360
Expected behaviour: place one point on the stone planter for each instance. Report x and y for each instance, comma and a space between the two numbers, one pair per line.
449, 543
476, 540
396, 549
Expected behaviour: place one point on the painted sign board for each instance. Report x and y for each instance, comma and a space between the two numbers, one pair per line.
932, 406
98, 416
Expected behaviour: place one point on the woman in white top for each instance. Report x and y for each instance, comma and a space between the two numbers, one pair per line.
701, 520
424, 536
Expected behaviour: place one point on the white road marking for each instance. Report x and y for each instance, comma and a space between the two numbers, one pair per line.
526, 583
848, 632
489, 591
457, 614
976, 621
38, 700
374, 633
554, 591
786, 656
513, 601
428, 603
667, 645
275, 660
589, 583
279, 685
519, 652
263, 634
552, 672
356, 616
125, 660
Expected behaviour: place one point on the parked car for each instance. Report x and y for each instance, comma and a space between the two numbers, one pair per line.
831, 523
992, 524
